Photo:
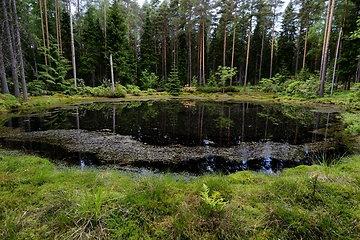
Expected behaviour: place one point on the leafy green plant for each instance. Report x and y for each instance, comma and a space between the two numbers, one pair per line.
148, 80
133, 89
214, 201
120, 91
225, 73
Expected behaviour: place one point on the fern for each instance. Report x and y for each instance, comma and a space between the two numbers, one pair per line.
215, 201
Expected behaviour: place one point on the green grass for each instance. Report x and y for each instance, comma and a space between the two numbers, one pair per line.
39, 200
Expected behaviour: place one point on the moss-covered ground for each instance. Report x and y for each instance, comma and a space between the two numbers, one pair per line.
39, 200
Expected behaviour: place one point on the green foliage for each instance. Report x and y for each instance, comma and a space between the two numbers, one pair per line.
148, 80
214, 201
117, 45
306, 85
212, 80
8, 101
173, 85
194, 82
54, 75
352, 122
120, 91
133, 89
224, 122
225, 73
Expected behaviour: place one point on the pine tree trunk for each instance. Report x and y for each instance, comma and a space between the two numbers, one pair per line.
335, 61
298, 53
326, 47
305, 43
43, 32
247, 55
224, 47
21, 60
262, 52
11, 50
47, 28
272, 42
189, 59
4, 84
72, 46
203, 53
233, 49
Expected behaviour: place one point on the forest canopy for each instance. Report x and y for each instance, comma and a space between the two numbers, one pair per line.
52, 46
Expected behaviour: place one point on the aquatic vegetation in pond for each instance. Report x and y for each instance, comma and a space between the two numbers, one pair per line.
177, 136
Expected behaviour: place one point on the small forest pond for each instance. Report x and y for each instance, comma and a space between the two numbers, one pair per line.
179, 135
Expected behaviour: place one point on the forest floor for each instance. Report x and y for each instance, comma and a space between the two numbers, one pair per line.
40, 200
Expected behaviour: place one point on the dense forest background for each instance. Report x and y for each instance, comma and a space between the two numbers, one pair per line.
193, 42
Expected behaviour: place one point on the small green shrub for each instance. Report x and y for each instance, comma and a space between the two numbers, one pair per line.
133, 89
120, 91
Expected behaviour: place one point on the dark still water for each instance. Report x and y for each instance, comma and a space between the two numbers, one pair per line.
204, 136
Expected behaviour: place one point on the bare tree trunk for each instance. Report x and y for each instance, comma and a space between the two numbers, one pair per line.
233, 49
224, 50
305, 43
262, 52
247, 54
164, 47
326, 47
43, 32
4, 84
272, 44
20, 54
200, 55
11, 51
72, 46
203, 54
189, 59
335, 61
47, 27
298, 53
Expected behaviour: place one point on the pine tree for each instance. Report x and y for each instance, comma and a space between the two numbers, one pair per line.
92, 60
117, 45
286, 41
148, 58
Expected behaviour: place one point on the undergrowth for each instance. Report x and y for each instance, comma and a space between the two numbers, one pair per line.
40, 201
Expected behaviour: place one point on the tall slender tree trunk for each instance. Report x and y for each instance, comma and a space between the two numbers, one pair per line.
224, 47
11, 50
43, 32
335, 61
164, 59
200, 55
233, 49
272, 43
72, 46
203, 53
247, 55
298, 52
47, 28
4, 84
189, 58
326, 47
20, 54
261, 53
306, 40
57, 26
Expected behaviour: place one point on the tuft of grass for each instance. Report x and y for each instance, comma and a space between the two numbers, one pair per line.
306, 202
